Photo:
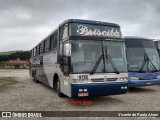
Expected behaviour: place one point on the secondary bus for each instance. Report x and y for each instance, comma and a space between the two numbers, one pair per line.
82, 58
157, 44
143, 62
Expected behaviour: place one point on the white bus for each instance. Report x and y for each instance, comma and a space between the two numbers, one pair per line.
82, 58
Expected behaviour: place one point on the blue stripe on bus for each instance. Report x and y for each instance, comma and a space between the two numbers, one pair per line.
139, 83
145, 79
100, 89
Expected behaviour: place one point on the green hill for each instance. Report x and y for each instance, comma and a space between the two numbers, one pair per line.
7, 53
13, 55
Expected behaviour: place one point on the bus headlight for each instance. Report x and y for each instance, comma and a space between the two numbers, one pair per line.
134, 78
158, 77
123, 79
74, 81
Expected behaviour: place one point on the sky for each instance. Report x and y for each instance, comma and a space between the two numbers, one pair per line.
24, 23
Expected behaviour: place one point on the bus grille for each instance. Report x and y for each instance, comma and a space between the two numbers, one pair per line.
97, 80
112, 79
102, 80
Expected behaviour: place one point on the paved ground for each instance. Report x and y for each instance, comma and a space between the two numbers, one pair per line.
30, 96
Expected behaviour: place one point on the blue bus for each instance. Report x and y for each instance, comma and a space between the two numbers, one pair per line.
82, 58
157, 44
142, 61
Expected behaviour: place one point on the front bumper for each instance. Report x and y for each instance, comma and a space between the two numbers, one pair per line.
100, 89
139, 83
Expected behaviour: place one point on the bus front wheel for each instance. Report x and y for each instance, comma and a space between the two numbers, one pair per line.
58, 87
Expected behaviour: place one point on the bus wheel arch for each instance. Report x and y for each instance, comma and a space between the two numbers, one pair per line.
56, 85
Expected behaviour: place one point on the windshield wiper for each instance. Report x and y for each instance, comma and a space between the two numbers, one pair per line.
97, 64
108, 58
146, 61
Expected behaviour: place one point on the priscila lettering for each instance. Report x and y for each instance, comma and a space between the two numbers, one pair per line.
84, 30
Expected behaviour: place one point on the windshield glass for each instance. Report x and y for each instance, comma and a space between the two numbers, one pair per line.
85, 54
136, 55
116, 56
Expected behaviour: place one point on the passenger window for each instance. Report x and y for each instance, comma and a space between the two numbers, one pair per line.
63, 32
53, 41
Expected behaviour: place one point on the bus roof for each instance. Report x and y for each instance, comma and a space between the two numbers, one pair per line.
156, 40
80, 21
136, 38
89, 22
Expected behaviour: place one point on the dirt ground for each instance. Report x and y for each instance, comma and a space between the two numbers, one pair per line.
30, 96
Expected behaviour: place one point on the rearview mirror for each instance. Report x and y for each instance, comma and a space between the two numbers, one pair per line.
67, 48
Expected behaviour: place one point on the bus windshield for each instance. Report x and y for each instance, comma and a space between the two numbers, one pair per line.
85, 54
116, 53
138, 53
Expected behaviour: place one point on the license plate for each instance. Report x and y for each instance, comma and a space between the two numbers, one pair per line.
148, 83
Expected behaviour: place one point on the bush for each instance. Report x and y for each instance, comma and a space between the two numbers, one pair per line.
16, 66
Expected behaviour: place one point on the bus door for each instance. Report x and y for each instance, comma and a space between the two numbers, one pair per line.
64, 61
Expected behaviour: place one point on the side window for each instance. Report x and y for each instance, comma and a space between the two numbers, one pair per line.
61, 49
34, 52
37, 50
53, 41
46, 45
42, 47
63, 32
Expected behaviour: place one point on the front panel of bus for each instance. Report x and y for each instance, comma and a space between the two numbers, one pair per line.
143, 62
95, 61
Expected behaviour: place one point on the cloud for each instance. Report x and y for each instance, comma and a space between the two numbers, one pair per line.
24, 23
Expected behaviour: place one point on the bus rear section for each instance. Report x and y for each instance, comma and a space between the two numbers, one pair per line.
143, 62
89, 60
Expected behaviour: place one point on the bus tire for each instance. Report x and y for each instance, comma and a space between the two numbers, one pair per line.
35, 77
58, 87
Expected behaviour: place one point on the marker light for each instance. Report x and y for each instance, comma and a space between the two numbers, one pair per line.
80, 90
85, 90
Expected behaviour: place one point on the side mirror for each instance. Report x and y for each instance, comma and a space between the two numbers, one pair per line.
67, 48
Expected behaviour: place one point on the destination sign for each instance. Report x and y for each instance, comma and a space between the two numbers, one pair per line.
95, 30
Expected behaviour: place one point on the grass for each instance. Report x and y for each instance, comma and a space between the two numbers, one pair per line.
6, 81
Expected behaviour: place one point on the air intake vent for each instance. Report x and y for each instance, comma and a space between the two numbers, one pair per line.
102, 80
97, 80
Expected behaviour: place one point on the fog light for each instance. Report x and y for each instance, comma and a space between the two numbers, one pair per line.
80, 90
85, 90
125, 87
